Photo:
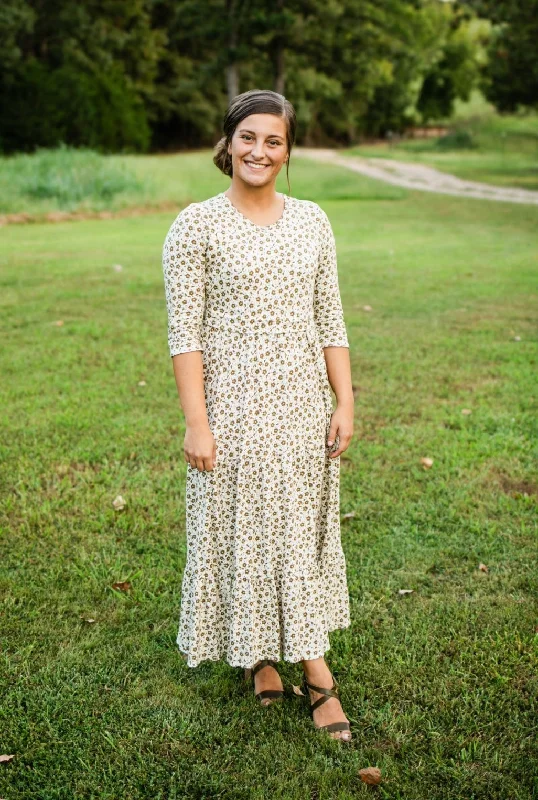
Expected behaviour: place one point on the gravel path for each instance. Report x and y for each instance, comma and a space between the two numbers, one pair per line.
419, 176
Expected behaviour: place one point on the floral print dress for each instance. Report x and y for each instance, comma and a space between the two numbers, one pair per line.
265, 575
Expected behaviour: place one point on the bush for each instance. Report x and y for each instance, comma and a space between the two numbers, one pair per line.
456, 140
69, 176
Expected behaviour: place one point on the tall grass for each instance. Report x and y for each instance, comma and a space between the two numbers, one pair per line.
64, 178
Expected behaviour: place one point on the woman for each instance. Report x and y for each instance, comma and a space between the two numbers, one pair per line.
256, 333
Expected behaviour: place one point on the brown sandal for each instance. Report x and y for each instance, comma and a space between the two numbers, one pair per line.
332, 692
272, 694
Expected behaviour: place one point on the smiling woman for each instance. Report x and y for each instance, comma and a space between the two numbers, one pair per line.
256, 328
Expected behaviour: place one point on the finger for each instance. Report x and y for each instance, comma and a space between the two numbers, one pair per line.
343, 444
333, 432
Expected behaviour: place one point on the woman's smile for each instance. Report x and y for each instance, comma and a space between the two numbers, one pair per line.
252, 165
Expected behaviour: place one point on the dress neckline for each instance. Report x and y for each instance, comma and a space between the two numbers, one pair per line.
250, 222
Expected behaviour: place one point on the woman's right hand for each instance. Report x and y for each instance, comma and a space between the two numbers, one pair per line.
200, 448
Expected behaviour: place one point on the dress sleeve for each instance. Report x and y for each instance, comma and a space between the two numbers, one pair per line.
328, 312
183, 260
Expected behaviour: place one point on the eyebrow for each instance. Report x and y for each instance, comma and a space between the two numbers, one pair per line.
270, 136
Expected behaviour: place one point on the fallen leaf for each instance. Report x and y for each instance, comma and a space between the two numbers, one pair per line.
482, 568
297, 690
367, 308
141, 383
517, 338
122, 586
426, 462
370, 775
117, 267
466, 411
348, 515
88, 620
118, 503
6, 758
58, 323
405, 591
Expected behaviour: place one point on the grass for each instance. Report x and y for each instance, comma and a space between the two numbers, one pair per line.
505, 151
441, 684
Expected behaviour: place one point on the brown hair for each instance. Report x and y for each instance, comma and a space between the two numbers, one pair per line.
255, 101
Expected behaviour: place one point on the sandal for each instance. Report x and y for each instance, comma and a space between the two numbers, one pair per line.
270, 695
332, 692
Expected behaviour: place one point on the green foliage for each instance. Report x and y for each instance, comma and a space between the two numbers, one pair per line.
139, 74
510, 77
70, 177
41, 107
458, 139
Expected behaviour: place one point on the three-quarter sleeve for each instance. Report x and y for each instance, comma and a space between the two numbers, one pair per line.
328, 311
183, 259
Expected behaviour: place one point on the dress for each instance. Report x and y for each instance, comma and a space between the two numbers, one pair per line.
265, 575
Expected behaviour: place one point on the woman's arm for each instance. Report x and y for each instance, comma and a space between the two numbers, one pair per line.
329, 318
183, 262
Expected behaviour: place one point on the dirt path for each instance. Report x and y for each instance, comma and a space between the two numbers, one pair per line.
419, 177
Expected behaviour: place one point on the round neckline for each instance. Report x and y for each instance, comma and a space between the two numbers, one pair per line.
261, 227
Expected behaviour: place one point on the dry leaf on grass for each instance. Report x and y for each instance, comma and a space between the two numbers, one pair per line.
6, 758
465, 410
118, 503
426, 462
297, 690
58, 323
370, 775
367, 308
122, 586
482, 568
348, 515
405, 591
141, 383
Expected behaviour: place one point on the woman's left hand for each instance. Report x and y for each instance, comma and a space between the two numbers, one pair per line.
342, 426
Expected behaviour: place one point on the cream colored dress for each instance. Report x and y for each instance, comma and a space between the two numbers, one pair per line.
265, 575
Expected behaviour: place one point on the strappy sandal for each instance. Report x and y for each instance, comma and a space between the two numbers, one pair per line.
271, 694
332, 692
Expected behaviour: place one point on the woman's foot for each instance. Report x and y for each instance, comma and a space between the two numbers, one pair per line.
267, 678
318, 673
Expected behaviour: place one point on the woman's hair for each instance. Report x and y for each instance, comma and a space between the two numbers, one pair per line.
255, 101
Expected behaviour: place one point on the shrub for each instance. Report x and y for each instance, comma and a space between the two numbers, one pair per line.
70, 176
456, 140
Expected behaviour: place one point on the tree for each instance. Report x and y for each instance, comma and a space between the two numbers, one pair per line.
510, 78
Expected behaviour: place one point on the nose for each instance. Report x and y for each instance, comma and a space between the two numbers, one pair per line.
257, 151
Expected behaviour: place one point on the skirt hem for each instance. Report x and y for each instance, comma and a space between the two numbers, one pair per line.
222, 656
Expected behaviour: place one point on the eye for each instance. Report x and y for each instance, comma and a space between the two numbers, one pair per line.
273, 142
246, 136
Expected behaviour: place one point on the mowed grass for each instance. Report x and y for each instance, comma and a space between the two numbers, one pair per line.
440, 684
504, 148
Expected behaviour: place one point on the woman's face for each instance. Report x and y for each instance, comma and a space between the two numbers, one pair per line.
259, 139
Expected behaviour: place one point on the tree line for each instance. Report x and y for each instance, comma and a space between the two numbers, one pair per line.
139, 75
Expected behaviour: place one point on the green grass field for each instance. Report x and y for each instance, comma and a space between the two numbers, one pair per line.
441, 684
505, 151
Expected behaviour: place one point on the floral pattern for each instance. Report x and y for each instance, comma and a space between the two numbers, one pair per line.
265, 575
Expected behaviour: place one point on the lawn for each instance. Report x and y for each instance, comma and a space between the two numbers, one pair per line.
503, 151
441, 683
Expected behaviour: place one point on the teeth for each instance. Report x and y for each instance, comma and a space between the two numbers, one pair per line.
255, 166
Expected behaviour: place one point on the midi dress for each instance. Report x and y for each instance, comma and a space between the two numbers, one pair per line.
265, 573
